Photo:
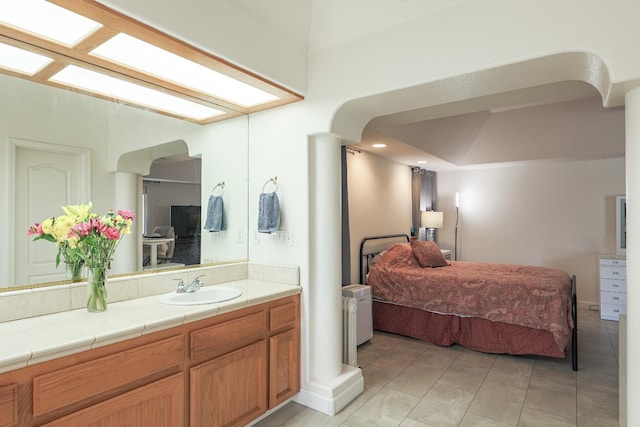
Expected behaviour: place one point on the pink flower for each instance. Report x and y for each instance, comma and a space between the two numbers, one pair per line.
98, 225
126, 214
112, 233
35, 229
83, 229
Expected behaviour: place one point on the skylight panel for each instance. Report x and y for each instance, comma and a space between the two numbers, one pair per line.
137, 54
22, 61
47, 20
102, 84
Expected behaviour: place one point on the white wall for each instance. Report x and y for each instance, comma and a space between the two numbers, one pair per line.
553, 214
379, 200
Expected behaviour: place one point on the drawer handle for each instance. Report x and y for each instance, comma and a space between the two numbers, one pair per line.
616, 286
616, 311
615, 273
616, 299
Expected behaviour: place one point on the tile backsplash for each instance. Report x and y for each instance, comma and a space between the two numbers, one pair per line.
25, 303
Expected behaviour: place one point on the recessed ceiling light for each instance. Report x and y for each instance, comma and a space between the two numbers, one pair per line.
92, 81
379, 145
143, 56
47, 20
422, 162
22, 61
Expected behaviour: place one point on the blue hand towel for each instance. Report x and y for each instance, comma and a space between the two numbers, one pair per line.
215, 214
268, 213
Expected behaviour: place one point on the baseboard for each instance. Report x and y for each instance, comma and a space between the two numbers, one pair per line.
330, 396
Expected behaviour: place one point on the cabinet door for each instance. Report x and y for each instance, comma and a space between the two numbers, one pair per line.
231, 389
284, 366
158, 404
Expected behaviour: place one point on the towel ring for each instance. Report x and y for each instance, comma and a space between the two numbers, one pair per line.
273, 181
218, 185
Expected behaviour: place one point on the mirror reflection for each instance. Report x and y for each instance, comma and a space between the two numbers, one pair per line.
61, 147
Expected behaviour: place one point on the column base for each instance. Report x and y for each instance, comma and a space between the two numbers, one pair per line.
329, 396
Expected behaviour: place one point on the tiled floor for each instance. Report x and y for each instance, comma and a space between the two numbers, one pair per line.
410, 383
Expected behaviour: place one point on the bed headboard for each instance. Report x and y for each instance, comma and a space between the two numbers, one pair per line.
372, 246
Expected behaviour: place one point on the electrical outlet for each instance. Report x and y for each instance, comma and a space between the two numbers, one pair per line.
240, 236
256, 237
290, 238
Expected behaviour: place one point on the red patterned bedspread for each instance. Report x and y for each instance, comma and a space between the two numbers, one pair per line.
534, 297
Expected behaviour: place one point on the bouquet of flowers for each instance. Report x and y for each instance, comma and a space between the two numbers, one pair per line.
58, 230
93, 238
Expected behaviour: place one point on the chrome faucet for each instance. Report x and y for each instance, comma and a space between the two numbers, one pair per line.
195, 285
181, 286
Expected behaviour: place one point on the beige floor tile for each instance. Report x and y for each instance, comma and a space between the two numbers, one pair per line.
514, 371
282, 415
393, 363
499, 402
442, 406
416, 380
552, 401
464, 375
466, 388
385, 408
408, 422
375, 376
474, 420
437, 358
533, 418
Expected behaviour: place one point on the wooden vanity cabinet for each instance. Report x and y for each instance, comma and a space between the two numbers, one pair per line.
238, 365
225, 370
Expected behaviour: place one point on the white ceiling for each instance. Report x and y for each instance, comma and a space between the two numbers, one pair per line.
445, 135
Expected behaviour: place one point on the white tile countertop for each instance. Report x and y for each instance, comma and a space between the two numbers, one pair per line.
37, 339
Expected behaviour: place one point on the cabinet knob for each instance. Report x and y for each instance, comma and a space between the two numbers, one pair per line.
616, 298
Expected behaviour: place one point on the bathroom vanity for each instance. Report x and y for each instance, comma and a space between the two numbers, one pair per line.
224, 364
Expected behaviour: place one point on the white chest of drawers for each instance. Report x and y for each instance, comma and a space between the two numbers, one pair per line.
612, 273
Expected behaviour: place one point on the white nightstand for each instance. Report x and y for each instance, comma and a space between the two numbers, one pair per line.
612, 273
446, 253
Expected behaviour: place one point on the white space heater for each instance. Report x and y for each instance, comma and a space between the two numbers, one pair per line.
357, 321
349, 331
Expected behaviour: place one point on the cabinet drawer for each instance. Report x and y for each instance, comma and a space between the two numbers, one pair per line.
613, 285
283, 316
228, 336
613, 262
613, 272
9, 405
612, 312
615, 298
75, 383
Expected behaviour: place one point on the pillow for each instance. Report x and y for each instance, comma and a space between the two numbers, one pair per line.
428, 254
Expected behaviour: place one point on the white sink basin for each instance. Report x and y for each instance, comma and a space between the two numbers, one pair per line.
206, 295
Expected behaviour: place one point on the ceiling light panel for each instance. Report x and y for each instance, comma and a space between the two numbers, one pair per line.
22, 61
142, 56
47, 20
91, 81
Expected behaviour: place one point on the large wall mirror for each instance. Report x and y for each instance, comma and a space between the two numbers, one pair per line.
111, 139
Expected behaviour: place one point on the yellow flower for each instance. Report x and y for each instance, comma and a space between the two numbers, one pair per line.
79, 212
47, 226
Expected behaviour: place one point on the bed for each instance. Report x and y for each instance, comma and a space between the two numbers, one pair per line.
492, 308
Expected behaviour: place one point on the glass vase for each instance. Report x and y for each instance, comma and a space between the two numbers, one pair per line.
75, 271
97, 289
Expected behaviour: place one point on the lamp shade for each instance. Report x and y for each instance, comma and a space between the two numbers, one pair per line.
431, 219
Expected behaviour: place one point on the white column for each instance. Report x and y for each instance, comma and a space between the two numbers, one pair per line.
126, 192
326, 259
329, 385
632, 168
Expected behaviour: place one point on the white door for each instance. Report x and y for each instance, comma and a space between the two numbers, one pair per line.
45, 180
